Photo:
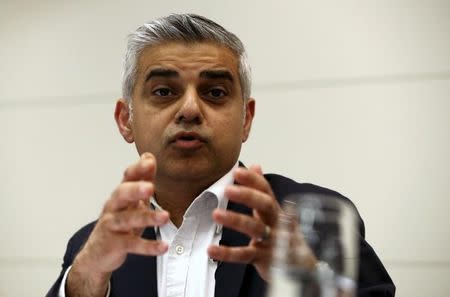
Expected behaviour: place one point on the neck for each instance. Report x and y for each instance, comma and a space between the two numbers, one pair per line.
176, 197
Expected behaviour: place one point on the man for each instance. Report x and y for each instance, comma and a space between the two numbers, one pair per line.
186, 105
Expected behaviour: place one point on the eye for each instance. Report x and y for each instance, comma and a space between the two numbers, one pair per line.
216, 93
163, 92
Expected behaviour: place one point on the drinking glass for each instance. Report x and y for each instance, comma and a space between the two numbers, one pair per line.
316, 248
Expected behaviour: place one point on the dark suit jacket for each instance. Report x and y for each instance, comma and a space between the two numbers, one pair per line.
137, 276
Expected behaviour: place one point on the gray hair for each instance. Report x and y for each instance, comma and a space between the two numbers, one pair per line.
183, 28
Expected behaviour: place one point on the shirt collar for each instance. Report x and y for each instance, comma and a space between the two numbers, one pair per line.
216, 190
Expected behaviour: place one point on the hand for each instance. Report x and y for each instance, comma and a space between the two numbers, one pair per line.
118, 231
298, 252
253, 191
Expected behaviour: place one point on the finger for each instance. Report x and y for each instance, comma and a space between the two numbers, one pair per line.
256, 168
247, 254
242, 223
129, 194
264, 204
144, 203
140, 246
143, 169
253, 178
128, 220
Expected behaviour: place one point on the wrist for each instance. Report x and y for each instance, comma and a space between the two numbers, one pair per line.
84, 279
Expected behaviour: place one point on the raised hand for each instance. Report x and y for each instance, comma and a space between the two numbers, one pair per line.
118, 231
253, 191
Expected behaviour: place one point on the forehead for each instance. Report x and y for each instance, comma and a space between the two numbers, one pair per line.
187, 57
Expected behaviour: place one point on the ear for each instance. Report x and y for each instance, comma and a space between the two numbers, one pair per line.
249, 115
123, 120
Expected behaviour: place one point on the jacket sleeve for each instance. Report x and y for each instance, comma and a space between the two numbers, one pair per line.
73, 246
373, 279
68, 259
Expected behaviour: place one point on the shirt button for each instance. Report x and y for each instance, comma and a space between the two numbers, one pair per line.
179, 249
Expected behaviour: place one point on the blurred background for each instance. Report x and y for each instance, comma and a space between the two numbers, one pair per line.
351, 95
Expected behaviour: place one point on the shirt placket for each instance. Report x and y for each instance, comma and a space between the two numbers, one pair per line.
178, 258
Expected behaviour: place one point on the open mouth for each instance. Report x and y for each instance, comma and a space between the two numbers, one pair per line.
188, 140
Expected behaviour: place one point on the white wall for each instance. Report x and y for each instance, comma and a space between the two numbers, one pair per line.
352, 95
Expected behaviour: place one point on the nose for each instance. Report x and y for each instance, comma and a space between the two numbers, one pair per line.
190, 110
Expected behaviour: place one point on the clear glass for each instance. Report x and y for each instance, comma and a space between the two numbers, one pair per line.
316, 248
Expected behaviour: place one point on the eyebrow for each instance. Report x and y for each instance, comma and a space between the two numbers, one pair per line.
217, 74
209, 74
161, 72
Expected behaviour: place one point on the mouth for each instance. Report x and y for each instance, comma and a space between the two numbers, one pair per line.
188, 140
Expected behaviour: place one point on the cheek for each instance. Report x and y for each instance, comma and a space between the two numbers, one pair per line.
148, 127
231, 126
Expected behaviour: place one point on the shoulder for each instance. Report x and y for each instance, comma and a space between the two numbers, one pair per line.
283, 186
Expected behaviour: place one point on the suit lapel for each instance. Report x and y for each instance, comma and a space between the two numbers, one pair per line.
229, 276
137, 276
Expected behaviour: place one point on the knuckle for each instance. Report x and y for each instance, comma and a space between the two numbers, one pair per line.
117, 222
152, 217
105, 218
108, 205
266, 187
115, 192
142, 187
255, 227
265, 203
126, 173
128, 189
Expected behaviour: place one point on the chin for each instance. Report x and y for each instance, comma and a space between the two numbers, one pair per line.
189, 169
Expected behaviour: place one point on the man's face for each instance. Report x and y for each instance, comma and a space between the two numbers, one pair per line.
188, 110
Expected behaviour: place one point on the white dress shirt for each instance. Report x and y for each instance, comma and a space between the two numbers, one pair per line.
185, 270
